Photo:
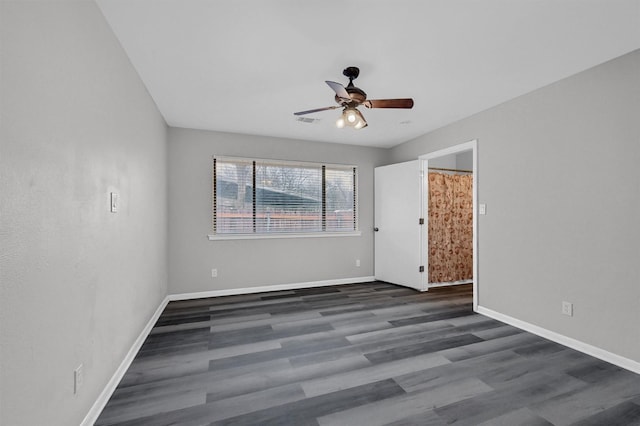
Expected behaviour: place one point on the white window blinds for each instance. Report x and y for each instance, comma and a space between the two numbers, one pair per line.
233, 197
268, 197
340, 193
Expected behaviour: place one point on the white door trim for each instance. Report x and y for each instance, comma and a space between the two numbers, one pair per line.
473, 146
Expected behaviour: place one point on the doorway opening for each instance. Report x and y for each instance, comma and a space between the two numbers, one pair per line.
449, 240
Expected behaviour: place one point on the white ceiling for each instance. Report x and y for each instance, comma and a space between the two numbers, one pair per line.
245, 66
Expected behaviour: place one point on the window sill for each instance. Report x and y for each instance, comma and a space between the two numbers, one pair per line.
279, 236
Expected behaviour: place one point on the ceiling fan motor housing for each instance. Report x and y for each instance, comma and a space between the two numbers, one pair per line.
356, 94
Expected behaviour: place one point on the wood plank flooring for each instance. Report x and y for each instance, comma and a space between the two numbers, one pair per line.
360, 354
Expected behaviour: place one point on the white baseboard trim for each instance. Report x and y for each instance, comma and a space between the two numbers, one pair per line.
586, 348
108, 390
449, 284
263, 289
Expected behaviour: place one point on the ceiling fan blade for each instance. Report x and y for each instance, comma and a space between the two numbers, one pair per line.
389, 103
316, 110
340, 90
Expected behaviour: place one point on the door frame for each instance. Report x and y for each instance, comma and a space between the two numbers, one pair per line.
424, 236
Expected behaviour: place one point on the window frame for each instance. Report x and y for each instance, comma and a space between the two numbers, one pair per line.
274, 235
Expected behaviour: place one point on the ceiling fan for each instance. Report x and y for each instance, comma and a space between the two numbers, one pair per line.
351, 97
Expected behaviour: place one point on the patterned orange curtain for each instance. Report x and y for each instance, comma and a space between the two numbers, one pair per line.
450, 228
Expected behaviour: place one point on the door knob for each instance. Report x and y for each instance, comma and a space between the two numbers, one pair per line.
375, 229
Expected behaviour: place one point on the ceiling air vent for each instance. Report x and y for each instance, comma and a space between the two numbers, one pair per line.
307, 119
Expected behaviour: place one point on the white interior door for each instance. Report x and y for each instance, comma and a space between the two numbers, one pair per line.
397, 212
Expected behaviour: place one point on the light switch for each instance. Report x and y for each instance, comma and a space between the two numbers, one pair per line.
483, 209
114, 202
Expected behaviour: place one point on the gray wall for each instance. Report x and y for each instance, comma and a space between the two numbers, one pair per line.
460, 161
559, 170
446, 162
464, 160
78, 283
251, 263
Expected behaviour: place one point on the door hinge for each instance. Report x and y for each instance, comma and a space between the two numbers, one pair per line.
421, 269
421, 221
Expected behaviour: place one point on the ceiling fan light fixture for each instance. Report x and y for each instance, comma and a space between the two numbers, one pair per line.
360, 121
351, 115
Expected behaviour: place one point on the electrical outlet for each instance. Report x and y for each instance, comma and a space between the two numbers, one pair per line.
78, 378
214, 273
358, 263
567, 308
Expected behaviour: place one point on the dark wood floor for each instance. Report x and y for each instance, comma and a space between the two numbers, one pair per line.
361, 354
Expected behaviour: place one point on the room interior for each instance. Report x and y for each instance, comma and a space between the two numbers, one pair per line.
552, 100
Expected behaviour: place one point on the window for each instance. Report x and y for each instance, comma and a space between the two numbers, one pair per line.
270, 197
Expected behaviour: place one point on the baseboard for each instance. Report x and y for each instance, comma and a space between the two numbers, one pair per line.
449, 284
263, 289
586, 348
108, 390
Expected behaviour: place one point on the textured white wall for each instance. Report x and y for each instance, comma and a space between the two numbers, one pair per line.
251, 263
78, 283
559, 172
